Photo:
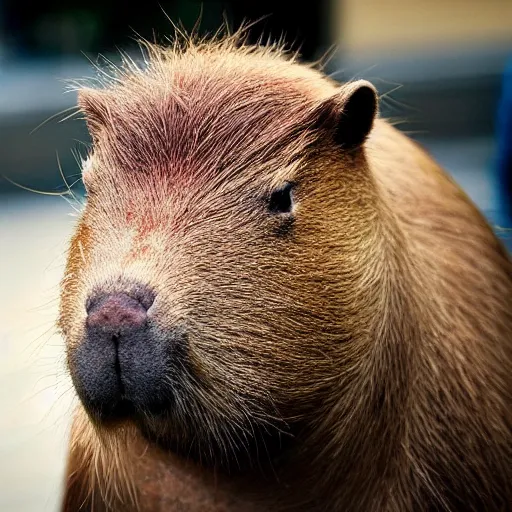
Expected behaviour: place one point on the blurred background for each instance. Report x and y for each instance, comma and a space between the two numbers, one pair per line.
438, 64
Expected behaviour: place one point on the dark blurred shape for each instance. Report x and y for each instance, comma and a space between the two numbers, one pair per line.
504, 142
58, 27
302, 25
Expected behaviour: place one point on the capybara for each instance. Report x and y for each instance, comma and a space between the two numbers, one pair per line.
275, 301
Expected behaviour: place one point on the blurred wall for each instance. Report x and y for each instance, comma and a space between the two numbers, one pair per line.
416, 25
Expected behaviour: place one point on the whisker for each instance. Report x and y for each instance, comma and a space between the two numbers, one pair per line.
33, 190
73, 107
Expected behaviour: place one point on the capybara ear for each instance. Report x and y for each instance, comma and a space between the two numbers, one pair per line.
350, 113
96, 106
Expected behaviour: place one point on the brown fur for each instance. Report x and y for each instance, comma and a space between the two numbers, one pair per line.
372, 338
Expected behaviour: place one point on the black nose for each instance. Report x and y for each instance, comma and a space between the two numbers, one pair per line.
122, 364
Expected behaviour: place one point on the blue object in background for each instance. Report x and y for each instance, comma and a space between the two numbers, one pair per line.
504, 141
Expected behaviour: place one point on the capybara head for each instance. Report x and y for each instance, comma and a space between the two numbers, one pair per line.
216, 280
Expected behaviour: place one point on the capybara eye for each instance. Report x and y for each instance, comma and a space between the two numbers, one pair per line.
281, 200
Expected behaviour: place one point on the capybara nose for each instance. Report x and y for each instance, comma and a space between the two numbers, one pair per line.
121, 364
116, 314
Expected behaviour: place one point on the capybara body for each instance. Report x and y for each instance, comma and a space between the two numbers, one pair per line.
274, 300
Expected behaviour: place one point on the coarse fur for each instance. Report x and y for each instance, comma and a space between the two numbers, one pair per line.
351, 355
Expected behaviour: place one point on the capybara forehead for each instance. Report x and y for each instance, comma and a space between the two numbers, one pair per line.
193, 114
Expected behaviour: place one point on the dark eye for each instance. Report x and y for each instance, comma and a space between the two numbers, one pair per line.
281, 200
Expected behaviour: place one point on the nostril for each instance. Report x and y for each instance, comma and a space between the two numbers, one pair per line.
115, 312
